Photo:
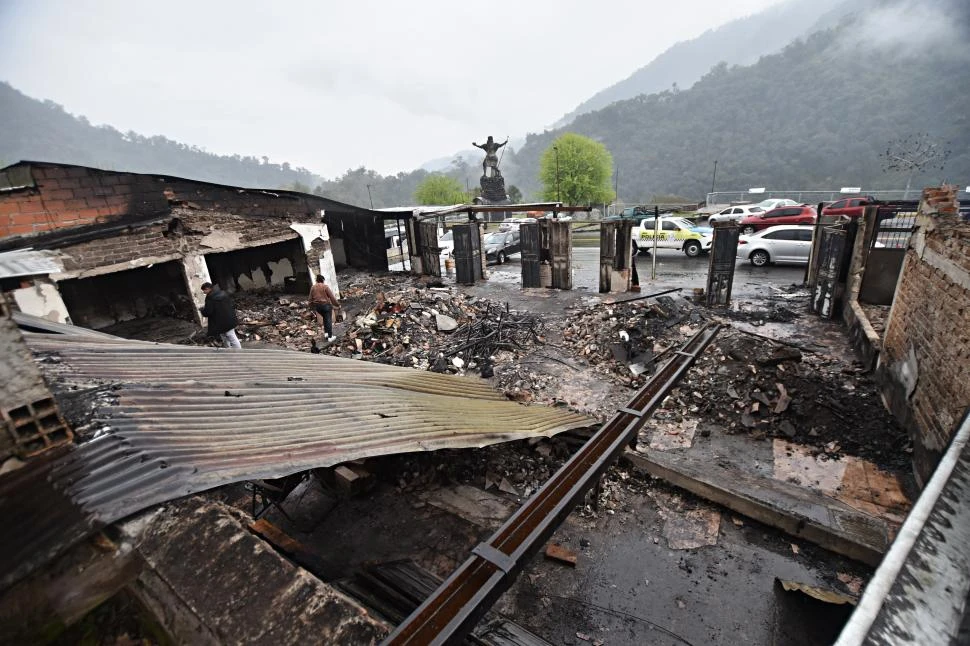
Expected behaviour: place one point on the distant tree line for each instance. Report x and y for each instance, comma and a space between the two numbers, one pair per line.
44, 131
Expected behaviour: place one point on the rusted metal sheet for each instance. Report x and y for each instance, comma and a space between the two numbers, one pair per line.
179, 420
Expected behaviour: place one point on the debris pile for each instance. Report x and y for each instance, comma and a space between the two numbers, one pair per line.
626, 341
495, 329
438, 329
748, 385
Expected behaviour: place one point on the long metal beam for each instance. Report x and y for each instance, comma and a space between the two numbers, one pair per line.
451, 612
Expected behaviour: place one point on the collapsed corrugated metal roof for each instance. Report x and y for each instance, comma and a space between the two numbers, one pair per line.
179, 420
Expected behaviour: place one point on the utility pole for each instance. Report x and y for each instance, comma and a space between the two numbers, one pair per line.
556, 150
370, 197
616, 189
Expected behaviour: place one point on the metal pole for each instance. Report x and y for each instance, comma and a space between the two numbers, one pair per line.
370, 197
616, 187
656, 233
556, 150
714, 179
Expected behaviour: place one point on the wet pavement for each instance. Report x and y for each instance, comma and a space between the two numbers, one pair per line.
673, 269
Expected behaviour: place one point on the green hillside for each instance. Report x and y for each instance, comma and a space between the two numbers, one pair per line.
44, 131
816, 115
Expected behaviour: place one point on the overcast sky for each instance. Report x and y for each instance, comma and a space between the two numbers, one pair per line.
337, 85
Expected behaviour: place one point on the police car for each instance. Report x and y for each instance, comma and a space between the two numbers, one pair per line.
673, 233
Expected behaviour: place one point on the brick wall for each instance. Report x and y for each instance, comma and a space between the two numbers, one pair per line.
70, 196
47, 197
184, 233
925, 363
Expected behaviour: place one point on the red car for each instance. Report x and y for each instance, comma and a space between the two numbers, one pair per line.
852, 207
803, 214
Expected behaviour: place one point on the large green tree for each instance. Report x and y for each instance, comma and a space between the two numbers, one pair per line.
439, 189
576, 170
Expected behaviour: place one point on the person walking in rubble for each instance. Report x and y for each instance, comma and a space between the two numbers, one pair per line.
221, 312
323, 301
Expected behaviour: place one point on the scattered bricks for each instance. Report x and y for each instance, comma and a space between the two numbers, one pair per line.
557, 552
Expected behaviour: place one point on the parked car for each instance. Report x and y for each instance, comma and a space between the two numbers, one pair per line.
775, 202
803, 214
446, 243
781, 243
735, 213
501, 244
852, 207
675, 233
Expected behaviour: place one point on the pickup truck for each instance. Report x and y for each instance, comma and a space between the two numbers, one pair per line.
675, 233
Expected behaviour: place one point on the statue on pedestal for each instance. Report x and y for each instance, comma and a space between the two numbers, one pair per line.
491, 159
492, 182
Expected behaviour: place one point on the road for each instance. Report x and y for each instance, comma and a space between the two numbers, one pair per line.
674, 269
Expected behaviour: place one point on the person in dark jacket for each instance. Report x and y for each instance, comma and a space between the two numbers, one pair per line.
221, 312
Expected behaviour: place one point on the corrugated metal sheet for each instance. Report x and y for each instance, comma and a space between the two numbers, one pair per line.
181, 420
28, 262
32, 323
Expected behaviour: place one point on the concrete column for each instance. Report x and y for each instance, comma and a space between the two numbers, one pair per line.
196, 272
324, 264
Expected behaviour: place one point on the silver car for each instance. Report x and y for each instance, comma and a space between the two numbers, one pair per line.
735, 213
782, 243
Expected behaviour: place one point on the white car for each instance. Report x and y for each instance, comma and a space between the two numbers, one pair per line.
447, 243
774, 203
735, 213
672, 233
782, 243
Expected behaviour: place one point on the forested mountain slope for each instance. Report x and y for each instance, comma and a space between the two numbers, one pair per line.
816, 115
44, 131
740, 42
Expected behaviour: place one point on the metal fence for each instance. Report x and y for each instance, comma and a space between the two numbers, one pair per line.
814, 196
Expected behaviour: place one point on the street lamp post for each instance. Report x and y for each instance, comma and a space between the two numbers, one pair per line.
370, 197
556, 150
714, 178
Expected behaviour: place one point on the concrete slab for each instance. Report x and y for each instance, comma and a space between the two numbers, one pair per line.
796, 510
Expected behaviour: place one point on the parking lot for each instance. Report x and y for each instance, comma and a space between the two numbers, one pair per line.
674, 269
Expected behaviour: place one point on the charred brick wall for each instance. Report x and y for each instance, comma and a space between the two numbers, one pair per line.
54, 199
185, 231
925, 363
71, 196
